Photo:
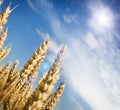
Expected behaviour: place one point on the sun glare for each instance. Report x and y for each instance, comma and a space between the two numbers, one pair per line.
102, 19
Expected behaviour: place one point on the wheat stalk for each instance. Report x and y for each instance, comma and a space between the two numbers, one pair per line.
25, 98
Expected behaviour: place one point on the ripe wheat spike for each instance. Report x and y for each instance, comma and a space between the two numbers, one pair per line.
3, 69
54, 98
3, 37
16, 91
4, 17
12, 71
4, 53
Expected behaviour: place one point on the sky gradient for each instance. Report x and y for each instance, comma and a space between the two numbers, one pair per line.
90, 29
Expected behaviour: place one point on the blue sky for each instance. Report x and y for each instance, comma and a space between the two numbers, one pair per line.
90, 29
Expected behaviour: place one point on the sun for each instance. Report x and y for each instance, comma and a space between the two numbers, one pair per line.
102, 19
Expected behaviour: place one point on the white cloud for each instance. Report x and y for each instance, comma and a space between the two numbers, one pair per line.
91, 41
69, 18
111, 78
83, 71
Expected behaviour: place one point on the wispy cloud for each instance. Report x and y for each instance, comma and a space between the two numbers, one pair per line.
43, 35
32, 5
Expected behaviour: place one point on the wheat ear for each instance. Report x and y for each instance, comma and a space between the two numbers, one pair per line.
4, 17
3, 69
53, 99
5, 53
3, 81
3, 37
12, 71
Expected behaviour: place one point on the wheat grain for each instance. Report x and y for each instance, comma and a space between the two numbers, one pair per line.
3, 37
4, 54
3, 69
5, 15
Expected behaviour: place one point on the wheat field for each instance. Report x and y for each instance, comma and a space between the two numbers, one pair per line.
16, 91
